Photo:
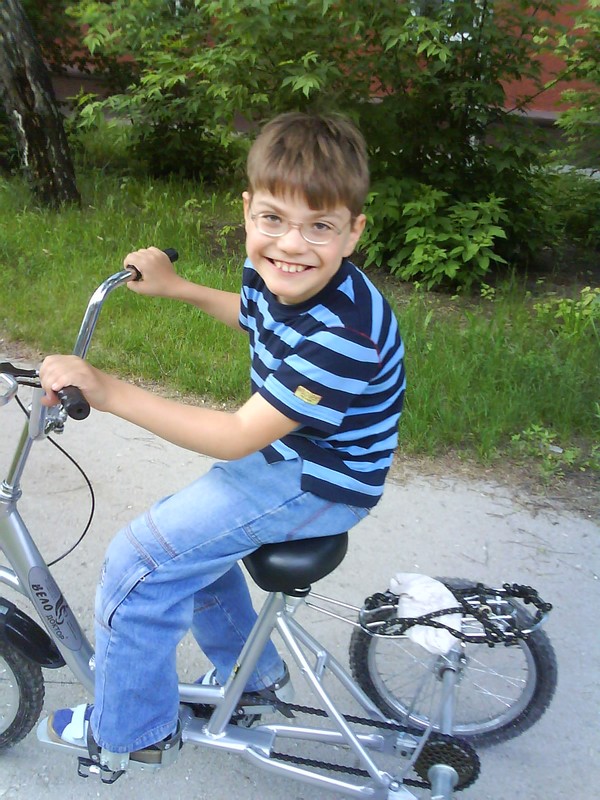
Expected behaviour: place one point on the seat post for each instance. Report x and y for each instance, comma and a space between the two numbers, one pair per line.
256, 642
295, 600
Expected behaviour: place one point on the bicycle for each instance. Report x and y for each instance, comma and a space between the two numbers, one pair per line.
420, 714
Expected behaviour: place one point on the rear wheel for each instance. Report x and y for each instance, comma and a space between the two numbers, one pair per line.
501, 690
21, 695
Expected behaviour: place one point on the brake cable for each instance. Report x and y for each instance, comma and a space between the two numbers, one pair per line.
85, 478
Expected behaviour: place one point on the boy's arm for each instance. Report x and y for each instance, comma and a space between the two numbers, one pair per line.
219, 434
159, 279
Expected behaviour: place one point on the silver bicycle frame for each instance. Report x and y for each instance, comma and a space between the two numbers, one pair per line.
30, 577
256, 743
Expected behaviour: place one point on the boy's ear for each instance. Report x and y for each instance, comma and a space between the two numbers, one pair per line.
356, 229
247, 199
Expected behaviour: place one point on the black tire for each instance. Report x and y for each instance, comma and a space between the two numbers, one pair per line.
503, 690
21, 695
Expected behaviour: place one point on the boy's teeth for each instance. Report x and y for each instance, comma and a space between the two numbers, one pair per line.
285, 267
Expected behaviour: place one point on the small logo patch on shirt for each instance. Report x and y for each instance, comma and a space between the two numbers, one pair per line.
307, 396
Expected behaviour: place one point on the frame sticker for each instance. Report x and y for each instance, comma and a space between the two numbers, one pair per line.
54, 609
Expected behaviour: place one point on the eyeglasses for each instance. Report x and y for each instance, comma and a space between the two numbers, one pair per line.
312, 232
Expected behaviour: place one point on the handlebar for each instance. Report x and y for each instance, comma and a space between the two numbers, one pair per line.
72, 400
97, 300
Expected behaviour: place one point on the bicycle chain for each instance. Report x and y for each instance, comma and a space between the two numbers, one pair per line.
493, 635
456, 752
439, 748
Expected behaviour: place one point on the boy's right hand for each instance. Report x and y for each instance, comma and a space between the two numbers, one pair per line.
159, 278
59, 371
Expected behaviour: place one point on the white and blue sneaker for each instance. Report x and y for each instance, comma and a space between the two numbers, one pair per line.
72, 726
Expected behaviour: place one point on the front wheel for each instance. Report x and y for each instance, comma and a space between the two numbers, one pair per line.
21, 695
501, 691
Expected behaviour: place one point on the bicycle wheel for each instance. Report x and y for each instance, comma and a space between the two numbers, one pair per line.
501, 692
21, 695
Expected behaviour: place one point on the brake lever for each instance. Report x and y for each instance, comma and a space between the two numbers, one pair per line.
10, 389
25, 377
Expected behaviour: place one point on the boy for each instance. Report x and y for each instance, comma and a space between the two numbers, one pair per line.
305, 456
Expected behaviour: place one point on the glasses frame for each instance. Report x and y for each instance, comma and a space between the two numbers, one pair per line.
254, 216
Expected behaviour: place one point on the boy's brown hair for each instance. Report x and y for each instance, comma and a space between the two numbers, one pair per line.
320, 158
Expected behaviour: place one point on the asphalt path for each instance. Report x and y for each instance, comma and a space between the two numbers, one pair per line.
439, 526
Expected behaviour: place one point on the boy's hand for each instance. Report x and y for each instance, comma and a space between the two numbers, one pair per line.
159, 278
57, 372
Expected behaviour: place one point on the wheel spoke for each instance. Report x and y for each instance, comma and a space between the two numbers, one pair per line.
9, 696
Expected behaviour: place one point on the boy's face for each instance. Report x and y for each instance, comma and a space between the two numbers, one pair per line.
293, 269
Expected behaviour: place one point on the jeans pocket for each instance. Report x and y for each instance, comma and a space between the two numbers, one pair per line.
114, 590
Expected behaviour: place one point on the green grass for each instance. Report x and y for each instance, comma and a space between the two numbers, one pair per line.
483, 375
52, 262
503, 375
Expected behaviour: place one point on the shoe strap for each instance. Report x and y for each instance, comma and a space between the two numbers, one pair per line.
78, 721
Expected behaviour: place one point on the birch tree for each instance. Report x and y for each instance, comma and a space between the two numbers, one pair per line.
32, 110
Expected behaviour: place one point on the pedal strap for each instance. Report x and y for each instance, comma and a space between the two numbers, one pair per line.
92, 747
95, 763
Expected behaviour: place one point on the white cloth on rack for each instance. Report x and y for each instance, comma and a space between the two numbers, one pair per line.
420, 594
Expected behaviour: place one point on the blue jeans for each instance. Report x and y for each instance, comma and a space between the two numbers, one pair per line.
175, 568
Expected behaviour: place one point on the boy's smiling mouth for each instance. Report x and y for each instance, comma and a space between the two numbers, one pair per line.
289, 267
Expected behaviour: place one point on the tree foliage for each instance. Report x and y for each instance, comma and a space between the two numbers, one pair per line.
60, 38
581, 51
424, 79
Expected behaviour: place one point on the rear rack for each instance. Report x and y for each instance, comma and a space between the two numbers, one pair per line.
488, 615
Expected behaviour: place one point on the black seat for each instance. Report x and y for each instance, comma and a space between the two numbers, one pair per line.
291, 567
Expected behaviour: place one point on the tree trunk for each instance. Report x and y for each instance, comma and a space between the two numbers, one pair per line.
31, 107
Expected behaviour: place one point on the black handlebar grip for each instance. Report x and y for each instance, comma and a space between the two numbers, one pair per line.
169, 251
74, 403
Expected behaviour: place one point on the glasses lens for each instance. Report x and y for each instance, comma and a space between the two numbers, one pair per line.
317, 233
270, 224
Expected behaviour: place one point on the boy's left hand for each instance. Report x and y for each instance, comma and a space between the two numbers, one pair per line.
159, 278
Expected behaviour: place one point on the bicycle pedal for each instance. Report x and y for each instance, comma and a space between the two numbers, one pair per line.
87, 767
264, 702
244, 720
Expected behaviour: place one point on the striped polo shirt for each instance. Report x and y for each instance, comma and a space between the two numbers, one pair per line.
333, 363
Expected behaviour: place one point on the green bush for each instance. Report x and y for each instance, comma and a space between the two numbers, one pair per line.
573, 205
182, 149
430, 238
425, 82
571, 317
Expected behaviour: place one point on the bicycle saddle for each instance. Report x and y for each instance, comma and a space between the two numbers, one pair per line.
291, 567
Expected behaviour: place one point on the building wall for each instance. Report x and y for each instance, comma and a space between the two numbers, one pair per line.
547, 105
